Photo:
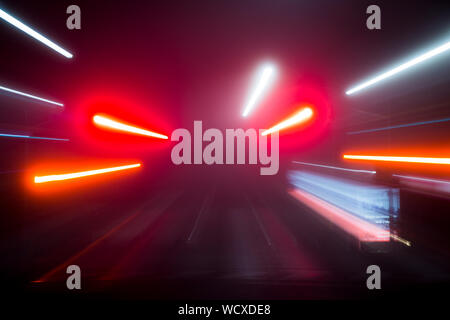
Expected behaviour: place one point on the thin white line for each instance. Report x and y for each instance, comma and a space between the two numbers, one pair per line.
421, 179
336, 168
205, 204
30, 96
7, 135
261, 226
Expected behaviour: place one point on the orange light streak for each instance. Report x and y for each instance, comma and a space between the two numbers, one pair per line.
302, 116
67, 176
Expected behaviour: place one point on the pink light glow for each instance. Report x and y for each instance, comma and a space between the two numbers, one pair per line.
362, 230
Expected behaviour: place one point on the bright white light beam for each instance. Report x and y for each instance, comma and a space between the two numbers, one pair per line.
268, 71
301, 116
400, 68
36, 35
30, 96
105, 122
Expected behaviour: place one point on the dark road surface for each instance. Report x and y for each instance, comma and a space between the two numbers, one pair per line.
216, 241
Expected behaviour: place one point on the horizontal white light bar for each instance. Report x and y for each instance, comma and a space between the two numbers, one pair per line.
30, 96
267, 73
8, 18
400, 68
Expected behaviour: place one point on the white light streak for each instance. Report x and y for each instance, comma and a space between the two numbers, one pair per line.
335, 168
30, 96
267, 73
400, 68
36, 35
